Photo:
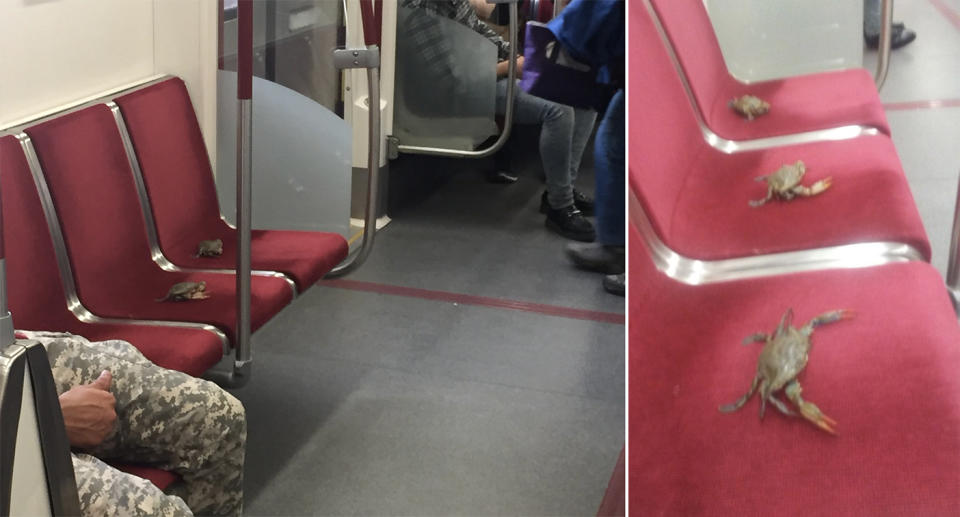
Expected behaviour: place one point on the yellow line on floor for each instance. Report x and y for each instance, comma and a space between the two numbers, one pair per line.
354, 238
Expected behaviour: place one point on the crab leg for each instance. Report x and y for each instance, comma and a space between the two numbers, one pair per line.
814, 189
759, 337
777, 403
808, 409
760, 202
729, 408
827, 317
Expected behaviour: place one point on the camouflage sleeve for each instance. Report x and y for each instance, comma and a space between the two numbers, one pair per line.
165, 418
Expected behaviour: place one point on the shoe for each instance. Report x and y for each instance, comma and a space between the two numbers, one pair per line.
583, 202
597, 257
616, 284
569, 222
501, 177
900, 37
580, 200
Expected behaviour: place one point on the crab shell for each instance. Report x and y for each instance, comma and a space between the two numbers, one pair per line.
787, 177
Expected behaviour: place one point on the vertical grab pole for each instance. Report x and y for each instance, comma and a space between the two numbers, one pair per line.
6, 321
369, 58
243, 357
883, 55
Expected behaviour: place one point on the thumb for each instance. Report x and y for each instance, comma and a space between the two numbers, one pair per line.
103, 381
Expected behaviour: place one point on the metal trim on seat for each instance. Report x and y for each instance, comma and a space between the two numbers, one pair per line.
147, 209
736, 146
696, 272
63, 262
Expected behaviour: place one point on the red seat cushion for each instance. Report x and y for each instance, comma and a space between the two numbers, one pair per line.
798, 104
888, 377
92, 187
698, 197
173, 159
36, 293
615, 498
161, 478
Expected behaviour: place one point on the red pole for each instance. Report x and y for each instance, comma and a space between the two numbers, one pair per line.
245, 49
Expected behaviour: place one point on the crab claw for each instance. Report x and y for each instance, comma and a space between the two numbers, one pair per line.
813, 414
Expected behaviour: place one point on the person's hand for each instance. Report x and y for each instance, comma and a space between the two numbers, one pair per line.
503, 71
89, 412
519, 66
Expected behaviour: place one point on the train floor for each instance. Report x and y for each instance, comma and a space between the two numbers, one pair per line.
922, 101
447, 376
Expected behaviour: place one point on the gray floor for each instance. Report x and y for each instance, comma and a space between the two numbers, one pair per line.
371, 404
926, 138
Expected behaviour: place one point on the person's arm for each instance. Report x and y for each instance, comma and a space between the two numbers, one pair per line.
502, 67
89, 412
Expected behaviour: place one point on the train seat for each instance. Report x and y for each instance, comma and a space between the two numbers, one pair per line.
161, 478
168, 144
92, 188
888, 376
697, 197
798, 104
35, 290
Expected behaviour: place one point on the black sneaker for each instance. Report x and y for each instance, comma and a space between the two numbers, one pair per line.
583, 202
580, 200
570, 223
597, 257
616, 284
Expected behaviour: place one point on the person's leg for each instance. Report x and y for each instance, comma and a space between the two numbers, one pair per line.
583, 121
609, 155
871, 18
106, 492
165, 418
556, 135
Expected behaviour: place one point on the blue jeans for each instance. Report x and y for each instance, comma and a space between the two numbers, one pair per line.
563, 138
610, 159
871, 17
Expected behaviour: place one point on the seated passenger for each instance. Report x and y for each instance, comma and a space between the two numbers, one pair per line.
564, 133
118, 406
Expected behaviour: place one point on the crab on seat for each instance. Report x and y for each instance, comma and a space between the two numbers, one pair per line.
172, 156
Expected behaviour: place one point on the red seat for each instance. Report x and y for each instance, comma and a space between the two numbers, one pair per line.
179, 181
698, 197
161, 478
798, 104
888, 377
35, 290
93, 190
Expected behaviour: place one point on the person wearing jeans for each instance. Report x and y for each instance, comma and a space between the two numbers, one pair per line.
565, 130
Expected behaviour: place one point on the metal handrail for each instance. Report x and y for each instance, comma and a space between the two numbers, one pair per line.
373, 175
953, 264
886, 37
507, 116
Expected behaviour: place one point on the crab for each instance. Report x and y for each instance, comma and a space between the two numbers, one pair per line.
785, 184
210, 248
783, 357
186, 291
749, 106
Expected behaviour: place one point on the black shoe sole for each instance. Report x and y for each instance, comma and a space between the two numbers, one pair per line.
576, 236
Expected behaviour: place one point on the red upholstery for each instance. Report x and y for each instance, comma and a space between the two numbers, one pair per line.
697, 197
92, 187
35, 291
888, 377
798, 104
176, 170
615, 498
161, 478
